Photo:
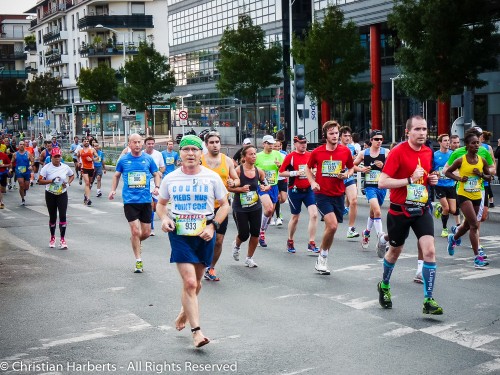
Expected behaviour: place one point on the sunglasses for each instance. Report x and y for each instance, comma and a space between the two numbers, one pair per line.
56, 156
378, 139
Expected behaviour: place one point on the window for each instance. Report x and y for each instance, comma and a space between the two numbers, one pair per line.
138, 8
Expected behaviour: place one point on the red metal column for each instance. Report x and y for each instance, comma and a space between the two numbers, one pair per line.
325, 112
444, 117
376, 77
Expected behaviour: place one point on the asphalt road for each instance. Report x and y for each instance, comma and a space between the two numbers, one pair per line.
84, 311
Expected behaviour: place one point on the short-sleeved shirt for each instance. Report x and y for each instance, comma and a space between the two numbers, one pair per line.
438, 163
295, 161
98, 162
137, 172
267, 162
401, 163
4, 160
328, 165
60, 173
461, 151
158, 159
170, 159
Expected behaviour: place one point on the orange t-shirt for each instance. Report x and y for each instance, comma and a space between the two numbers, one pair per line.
84, 154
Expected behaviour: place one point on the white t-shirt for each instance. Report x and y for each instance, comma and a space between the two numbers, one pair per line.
160, 163
60, 174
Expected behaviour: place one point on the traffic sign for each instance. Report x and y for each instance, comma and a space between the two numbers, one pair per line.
16, 116
31, 118
40, 115
47, 122
183, 115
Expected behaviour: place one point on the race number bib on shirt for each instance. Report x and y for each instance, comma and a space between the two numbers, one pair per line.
190, 225
372, 177
248, 199
331, 168
137, 180
21, 169
271, 177
442, 176
302, 169
416, 195
169, 160
473, 185
56, 188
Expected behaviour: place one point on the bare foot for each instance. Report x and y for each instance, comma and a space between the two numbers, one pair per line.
180, 321
200, 340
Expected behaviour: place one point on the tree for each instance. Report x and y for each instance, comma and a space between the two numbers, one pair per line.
12, 97
148, 77
44, 92
98, 85
246, 65
445, 45
332, 56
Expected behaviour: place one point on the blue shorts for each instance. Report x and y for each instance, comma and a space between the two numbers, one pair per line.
97, 171
191, 249
349, 181
295, 199
25, 175
373, 192
273, 193
327, 204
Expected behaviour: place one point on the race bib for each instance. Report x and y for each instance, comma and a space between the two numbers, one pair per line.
473, 185
441, 174
169, 160
55, 188
137, 180
21, 169
331, 168
271, 177
372, 177
248, 199
416, 195
302, 169
190, 225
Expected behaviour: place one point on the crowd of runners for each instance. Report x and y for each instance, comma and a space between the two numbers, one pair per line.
192, 191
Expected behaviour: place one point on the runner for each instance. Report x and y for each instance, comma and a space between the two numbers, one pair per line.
193, 190
36, 161
170, 157
224, 167
473, 169
373, 159
485, 142
4, 170
407, 174
73, 148
351, 190
454, 144
237, 155
247, 208
282, 188
334, 165
87, 155
23, 162
56, 177
137, 169
99, 167
46, 153
149, 144
269, 161
299, 191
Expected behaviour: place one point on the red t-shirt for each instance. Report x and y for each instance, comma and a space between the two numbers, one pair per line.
4, 159
401, 163
328, 165
296, 162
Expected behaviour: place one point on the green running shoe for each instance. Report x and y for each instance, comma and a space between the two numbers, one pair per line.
138, 267
444, 233
384, 296
432, 307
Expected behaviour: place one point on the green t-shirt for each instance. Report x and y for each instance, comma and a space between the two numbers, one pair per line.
266, 162
459, 152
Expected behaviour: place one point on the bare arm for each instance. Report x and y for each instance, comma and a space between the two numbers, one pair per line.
114, 185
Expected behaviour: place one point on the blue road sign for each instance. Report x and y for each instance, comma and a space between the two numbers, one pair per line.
47, 122
40, 114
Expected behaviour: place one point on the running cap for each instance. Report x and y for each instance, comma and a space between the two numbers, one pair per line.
375, 133
300, 138
247, 141
56, 151
191, 140
268, 139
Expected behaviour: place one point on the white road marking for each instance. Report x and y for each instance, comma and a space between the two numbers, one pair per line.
292, 295
299, 371
40, 209
480, 274
399, 332
220, 339
87, 209
116, 288
489, 367
361, 267
361, 303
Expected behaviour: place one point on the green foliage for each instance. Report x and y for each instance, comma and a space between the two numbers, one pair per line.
44, 92
30, 39
445, 45
332, 55
148, 78
12, 97
245, 64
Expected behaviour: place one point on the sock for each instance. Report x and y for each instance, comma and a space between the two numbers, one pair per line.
444, 220
377, 223
52, 227
369, 224
62, 228
152, 220
264, 223
324, 253
420, 263
138, 259
429, 276
388, 268
278, 209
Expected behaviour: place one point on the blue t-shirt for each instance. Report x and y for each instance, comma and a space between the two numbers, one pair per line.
136, 171
438, 162
170, 159
353, 152
101, 157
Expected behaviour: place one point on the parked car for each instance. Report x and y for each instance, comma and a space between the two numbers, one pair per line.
180, 135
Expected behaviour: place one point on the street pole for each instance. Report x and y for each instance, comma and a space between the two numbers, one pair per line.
293, 108
182, 108
393, 108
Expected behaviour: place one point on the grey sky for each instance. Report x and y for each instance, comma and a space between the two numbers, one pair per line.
16, 6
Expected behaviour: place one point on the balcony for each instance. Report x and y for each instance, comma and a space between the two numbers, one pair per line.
56, 59
54, 36
89, 51
13, 56
9, 74
33, 22
137, 21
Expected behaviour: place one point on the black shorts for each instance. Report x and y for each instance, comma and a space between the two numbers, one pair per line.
448, 192
37, 164
398, 227
223, 226
3, 179
89, 172
138, 211
475, 202
282, 185
488, 193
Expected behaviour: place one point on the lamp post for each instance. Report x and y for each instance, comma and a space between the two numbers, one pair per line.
393, 107
182, 107
73, 120
240, 127
99, 26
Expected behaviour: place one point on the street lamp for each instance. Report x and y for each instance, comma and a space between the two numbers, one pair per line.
240, 126
393, 107
99, 26
73, 119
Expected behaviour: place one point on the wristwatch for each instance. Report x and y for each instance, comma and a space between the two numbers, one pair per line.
216, 224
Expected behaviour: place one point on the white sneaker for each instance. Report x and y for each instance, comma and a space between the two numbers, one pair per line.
236, 251
279, 221
250, 263
273, 221
381, 245
152, 233
322, 265
351, 233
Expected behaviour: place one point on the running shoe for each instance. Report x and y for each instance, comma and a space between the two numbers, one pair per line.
152, 234
31, 183
454, 229
346, 211
279, 221
492, 205
418, 278
322, 265
10, 187
210, 274
479, 262
80, 181
236, 251
311, 247
444, 233
23, 202
382, 245
89, 202
249, 262
290, 247
52, 242
262, 240
351, 233
138, 267
99, 194
384, 296
438, 210
481, 252
2, 206
273, 221
63, 244
365, 239
431, 307
451, 244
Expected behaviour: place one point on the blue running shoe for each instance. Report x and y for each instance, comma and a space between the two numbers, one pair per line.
346, 211
454, 229
481, 252
311, 247
262, 240
479, 262
451, 245
290, 247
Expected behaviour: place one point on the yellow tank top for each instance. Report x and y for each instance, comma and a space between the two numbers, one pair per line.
222, 170
472, 188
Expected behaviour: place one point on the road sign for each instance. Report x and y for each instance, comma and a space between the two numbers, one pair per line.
183, 115
16, 116
47, 122
40, 115
31, 118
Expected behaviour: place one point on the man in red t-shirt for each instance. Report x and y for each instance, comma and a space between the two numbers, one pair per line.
333, 163
407, 172
299, 191
4, 170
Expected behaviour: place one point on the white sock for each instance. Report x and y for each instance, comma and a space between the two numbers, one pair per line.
324, 253
420, 265
377, 223
369, 224
138, 259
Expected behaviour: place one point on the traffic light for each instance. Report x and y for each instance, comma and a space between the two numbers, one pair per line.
300, 83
